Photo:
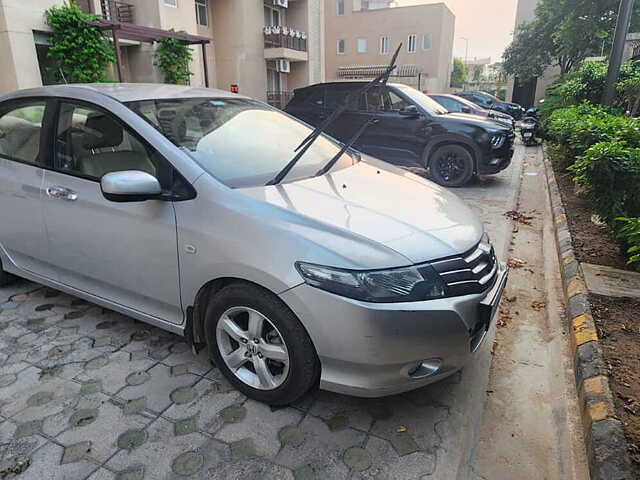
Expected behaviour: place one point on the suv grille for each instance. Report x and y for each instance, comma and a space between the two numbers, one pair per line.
472, 272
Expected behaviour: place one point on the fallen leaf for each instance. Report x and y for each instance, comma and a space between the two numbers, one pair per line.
537, 306
519, 217
401, 428
511, 299
516, 263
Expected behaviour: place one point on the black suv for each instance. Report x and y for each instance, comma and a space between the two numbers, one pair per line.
409, 129
488, 101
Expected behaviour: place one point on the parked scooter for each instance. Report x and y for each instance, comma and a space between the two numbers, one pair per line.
530, 127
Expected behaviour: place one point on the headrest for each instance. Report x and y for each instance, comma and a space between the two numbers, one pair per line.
101, 131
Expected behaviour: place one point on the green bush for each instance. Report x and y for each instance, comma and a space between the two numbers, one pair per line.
630, 235
172, 56
610, 173
579, 127
80, 50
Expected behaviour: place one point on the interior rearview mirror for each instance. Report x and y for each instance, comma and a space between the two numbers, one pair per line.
130, 186
410, 111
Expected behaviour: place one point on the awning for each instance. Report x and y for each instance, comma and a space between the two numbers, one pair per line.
366, 71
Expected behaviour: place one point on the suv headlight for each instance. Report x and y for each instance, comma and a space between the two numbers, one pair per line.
406, 284
497, 140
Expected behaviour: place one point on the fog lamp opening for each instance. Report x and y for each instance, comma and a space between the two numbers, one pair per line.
423, 368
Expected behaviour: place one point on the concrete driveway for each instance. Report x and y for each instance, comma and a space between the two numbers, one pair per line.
89, 393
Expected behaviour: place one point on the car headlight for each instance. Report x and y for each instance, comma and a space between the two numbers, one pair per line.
497, 140
406, 284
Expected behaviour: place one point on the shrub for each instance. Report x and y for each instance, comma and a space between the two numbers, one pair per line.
80, 50
172, 56
579, 127
630, 235
610, 173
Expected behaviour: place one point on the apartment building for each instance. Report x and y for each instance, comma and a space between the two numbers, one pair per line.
361, 36
530, 92
261, 48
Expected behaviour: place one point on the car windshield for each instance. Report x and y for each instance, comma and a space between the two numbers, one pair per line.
240, 142
467, 102
428, 104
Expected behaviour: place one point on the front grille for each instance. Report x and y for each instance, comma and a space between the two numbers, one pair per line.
472, 272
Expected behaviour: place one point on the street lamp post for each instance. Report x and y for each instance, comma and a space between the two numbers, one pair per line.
466, 61
615, 59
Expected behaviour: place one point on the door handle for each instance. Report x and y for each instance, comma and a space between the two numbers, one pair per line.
62, 193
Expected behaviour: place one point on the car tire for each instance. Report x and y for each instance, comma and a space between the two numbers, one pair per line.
275, 364
451, 166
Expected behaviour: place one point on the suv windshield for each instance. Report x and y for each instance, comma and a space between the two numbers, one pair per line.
240, 142
428, 104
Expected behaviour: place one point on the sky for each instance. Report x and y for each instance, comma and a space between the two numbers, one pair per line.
488, 24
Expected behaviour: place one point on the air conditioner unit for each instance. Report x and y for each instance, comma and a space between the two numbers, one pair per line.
283, 66
281, 3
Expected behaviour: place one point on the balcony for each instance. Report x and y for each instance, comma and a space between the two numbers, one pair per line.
285, 42
279, 99
116, 11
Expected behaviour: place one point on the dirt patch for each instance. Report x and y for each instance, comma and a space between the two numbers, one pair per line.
619, 330
591, 243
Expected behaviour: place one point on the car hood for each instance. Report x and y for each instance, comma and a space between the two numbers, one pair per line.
374, 201
469, 118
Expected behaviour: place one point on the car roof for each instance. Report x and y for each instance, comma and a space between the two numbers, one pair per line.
346, 82
127, 92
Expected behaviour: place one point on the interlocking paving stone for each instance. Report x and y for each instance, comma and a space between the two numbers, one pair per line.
185, 426
75, 452
261, 425
159, 389
45, 464
322, 449
206, 406
188, 463
159, 451
386, 463
292, 436
137, 378
357, 459
114, 374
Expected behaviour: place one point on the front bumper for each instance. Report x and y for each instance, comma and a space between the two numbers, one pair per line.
369, 349
496, 160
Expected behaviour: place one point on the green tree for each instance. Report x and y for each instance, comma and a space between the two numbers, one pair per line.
459, 73
477, 73
562, 33
79, 49
172, 56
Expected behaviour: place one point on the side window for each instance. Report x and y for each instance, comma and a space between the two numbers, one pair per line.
91, 143
20, 128
316, 98
394, 102
375, 102
335, 97
449, 104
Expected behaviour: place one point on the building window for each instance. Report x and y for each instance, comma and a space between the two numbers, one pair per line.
340, 46
411, 43
171, 3
339, 7
272, 16
201, 12
361, 45
384, 45
274, 80
427, 41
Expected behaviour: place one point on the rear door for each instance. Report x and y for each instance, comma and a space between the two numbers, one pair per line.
123, 252
23, 239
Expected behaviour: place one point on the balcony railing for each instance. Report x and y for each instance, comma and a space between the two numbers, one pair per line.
284, 37
279, 99
117, 11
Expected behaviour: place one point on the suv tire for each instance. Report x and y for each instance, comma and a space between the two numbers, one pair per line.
279, 350
451, 166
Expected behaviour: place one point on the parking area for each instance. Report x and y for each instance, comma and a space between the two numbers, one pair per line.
89, 393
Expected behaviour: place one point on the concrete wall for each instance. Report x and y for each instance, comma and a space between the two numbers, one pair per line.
397, 23
18, 59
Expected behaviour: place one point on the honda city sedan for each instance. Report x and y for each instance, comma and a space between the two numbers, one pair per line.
189, 209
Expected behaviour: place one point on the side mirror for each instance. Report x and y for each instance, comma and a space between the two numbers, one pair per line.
466, 109
410, 111
130, 186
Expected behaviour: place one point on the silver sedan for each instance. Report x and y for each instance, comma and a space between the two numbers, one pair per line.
160, 202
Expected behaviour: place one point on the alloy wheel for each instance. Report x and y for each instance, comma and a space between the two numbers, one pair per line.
252, 348
450, 166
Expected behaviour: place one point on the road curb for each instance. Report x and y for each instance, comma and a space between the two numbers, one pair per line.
606, 445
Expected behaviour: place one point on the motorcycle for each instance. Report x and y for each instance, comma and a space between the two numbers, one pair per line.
530, 127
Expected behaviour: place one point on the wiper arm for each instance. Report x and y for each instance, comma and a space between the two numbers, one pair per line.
346, 146
307, 142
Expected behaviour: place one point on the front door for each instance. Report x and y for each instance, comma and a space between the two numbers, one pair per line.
393, 137
23, 239
123, 252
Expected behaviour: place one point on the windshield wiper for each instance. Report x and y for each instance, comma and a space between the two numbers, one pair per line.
307, 142
346, 146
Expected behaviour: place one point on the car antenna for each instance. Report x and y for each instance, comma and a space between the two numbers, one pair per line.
307, 142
